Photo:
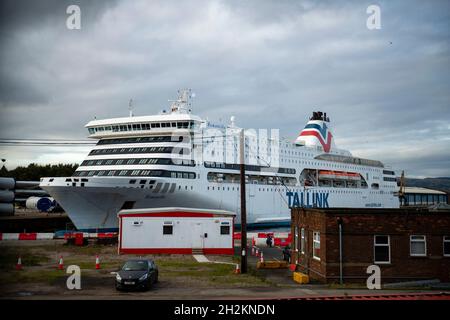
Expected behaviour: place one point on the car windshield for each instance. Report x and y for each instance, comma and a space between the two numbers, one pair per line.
135, 266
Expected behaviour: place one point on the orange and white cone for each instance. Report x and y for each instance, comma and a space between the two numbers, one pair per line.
19, 264
253, 241
257, 252
61, 263
97, 262
238, 269
262, 257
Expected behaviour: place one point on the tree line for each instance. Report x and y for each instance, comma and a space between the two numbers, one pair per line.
34, 172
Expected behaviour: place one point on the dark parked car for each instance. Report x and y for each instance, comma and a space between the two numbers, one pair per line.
137, 274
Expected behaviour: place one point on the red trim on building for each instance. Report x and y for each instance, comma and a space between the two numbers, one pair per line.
27, 236
171, 214
156, 250
229, 251
120, 234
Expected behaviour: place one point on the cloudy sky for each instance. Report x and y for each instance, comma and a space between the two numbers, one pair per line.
268, 63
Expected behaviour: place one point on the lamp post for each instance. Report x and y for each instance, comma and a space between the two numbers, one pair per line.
243, 205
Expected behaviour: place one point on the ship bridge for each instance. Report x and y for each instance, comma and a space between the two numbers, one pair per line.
178, 117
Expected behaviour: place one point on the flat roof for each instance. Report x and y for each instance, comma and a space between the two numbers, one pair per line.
422, 190
175, 209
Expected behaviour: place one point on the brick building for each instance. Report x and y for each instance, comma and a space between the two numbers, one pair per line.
407, 244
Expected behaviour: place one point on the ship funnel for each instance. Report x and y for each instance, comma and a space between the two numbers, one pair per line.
317, 133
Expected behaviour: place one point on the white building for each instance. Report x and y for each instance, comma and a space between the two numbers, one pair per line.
176, 231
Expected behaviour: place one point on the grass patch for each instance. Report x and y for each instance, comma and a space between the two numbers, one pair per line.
8, 258
32, 276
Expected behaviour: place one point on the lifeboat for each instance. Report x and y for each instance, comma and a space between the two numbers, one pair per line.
338, 175
354, 176
341, 175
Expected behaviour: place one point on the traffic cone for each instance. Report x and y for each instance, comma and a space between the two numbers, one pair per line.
61, 263
257, 252
253, 241
238, 269
97, 262
253, 251
19, 264
262, 257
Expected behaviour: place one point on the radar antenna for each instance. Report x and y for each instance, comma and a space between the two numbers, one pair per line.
183, 104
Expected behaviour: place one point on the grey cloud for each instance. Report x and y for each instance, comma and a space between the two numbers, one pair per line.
268, 63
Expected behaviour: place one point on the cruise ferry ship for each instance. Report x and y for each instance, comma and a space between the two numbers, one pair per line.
177, 159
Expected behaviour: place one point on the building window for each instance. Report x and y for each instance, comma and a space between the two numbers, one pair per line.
446, 246
316, 245
167, 229
302, 240
418, 246
382, 249
224, 230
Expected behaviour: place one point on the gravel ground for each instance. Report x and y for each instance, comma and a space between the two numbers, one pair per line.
181, 276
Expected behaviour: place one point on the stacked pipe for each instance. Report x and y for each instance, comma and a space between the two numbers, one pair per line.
12, 191
7, 186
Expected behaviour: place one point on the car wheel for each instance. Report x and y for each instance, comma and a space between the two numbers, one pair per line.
147, 286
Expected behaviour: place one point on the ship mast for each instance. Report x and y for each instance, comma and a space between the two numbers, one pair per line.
183, 104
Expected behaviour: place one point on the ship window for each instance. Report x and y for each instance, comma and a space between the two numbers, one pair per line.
111, 173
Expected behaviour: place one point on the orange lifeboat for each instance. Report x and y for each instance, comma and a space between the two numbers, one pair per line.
338, 175
327, 175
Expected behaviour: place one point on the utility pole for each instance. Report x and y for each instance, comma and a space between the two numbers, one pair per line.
243, 205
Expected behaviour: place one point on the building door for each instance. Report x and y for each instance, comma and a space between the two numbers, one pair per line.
197, 235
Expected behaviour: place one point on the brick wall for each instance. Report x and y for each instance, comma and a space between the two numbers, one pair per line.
359, 228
